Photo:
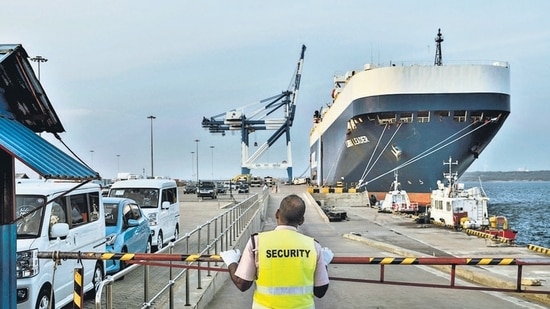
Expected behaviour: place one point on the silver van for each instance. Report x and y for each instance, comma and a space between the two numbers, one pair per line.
54, 218
158, 199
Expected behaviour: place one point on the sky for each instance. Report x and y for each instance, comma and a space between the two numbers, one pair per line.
112, 64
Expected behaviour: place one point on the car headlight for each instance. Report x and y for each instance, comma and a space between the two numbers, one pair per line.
27, 264
152, 218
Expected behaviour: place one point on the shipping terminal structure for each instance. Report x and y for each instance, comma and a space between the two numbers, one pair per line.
407, 118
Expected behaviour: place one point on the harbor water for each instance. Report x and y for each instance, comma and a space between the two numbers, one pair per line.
524, 204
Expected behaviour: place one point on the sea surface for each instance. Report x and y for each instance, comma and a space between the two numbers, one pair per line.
524, 204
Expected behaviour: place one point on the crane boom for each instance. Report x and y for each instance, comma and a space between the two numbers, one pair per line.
275, 113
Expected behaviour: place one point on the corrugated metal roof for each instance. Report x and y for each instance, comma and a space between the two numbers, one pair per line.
22, 95
38, 154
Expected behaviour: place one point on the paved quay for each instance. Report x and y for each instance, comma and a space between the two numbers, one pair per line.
368, 233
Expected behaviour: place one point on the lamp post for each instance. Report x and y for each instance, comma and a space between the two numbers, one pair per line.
212, 148
92, 157
39, 59
152, 170
192, 164
197, 152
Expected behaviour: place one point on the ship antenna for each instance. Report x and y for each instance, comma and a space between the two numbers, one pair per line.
438, 57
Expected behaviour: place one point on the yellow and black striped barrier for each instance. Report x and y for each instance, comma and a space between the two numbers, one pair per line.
78, 293
58, 255
142, 257
332, 190
488, 236
539, 249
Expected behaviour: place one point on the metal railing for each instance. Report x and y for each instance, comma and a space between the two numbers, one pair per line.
217, 234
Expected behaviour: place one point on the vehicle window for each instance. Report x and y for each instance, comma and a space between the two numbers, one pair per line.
58, 214
111, 213
29, 225
169, 195
93, 201
84, 208
145, 197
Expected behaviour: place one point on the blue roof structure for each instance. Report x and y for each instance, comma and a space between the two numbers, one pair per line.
26, 110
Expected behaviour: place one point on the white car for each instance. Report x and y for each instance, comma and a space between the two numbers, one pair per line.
57, 217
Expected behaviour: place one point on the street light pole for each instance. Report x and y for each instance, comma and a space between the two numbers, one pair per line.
212, 148
39, 59
192, 164
197, 151
92, 156
152, 170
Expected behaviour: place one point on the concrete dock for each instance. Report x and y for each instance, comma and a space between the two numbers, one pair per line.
368, 233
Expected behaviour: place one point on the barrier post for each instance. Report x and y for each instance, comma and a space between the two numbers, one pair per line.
78, 289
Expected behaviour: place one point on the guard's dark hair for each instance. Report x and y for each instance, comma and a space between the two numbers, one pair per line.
292, 209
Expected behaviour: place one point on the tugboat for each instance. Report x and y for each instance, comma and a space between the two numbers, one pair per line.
466, 209
397, 200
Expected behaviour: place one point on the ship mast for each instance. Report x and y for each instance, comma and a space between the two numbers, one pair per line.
438, 57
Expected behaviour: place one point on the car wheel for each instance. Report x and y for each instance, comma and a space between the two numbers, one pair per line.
43, 300
149, 246
177, 233
160, 241
122, 264
97, 277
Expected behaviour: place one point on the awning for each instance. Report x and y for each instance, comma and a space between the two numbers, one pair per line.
38, 154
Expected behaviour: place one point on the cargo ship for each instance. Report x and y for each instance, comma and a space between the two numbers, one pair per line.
407, 118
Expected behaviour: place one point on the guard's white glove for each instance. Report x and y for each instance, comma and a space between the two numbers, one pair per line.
231, 256
327, 255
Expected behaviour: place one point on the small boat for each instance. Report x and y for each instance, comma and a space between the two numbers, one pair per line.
459, 208
397, 200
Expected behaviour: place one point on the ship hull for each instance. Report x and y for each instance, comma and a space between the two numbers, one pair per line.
373, 132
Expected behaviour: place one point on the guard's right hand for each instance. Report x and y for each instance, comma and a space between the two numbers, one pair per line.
327, 255
231, 256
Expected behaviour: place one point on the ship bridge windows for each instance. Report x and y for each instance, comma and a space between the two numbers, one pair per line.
406, 117
476, 116
442, 113
386, 118
460, 116
423, 116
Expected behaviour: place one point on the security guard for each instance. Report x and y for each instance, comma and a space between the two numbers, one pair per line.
289, 268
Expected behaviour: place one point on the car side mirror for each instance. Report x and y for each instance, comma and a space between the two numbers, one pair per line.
132, 223
165, 205
60, 230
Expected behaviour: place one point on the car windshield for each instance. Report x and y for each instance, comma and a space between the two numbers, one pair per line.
111, 213
29, 220
144, 197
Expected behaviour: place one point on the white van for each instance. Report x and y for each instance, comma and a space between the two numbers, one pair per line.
158, 198
70, 221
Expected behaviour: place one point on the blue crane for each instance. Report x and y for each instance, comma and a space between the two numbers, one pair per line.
275, 113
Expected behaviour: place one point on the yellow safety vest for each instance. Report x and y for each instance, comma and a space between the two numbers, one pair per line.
286, 270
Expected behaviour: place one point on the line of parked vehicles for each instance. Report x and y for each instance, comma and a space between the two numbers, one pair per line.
135, 216
211, 189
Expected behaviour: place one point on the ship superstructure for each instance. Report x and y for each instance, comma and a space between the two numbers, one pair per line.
406, 117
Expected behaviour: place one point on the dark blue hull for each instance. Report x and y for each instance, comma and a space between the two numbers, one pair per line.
411, 133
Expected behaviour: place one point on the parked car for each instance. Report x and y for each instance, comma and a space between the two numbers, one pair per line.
63, 216
243, 188
159, 201
189, 189
127, 230
221, 188
207, 189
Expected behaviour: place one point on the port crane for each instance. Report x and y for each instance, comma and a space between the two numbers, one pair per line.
275, 113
